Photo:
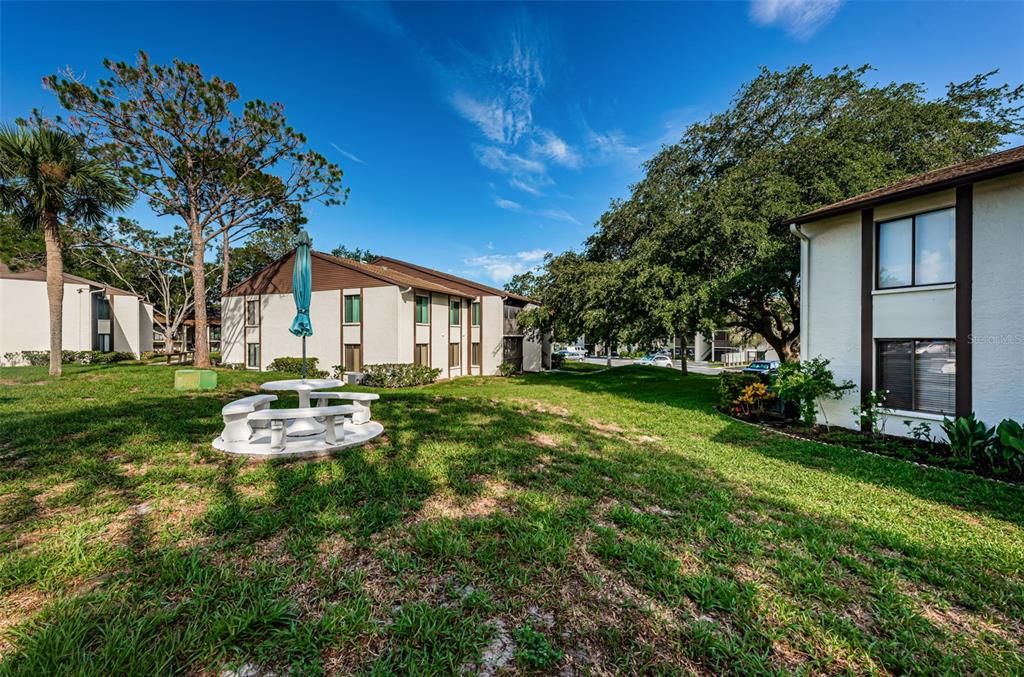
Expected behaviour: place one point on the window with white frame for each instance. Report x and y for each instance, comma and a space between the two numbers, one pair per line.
252, 355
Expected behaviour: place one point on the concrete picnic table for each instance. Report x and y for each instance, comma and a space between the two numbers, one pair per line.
307, 426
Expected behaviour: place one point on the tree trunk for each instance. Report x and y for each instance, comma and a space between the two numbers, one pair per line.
608, 352
202, 359
54, 289
782, 346
682, 352
225, 256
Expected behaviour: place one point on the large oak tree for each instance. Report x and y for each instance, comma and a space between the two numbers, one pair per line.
706, 226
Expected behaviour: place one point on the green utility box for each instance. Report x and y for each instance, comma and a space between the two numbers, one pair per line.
195, 379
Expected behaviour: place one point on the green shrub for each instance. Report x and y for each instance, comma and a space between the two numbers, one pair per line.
1007, 448
873, 414
557, 361
97, 357
293, 365
507, 369
397, 375
809, 382
41, 358
968, 437
731, 385
36, 358
215, 359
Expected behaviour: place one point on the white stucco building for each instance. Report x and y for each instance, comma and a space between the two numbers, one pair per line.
918, 288
96, 316
390, 311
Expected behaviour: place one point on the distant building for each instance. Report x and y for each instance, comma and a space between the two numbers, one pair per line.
389, 311
96, 316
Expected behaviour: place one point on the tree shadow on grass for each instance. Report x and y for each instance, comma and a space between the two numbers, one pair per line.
365, 560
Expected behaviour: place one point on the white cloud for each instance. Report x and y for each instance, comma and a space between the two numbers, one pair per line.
555, 149
611, 145
501, 267
350, 156
800, 18
552, 214
560, 215
511, 205
508, 162
525, 187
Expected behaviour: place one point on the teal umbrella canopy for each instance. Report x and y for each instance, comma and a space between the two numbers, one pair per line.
302, 287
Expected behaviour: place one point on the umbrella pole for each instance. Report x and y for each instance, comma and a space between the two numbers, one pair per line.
303, 358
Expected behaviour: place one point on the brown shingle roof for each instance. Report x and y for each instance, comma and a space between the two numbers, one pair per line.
332, 272
39, 275
990, 166
393, 276
468, 286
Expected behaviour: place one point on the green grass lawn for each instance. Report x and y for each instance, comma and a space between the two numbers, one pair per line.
581, 367
610, 522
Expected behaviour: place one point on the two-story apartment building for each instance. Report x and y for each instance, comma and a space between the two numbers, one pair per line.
389, 311
918, 289
96, 316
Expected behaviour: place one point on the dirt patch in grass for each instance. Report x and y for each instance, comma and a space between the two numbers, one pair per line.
444, 506
545, 408
605, 428
543, 440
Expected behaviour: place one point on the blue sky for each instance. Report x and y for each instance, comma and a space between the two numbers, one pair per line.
476, 137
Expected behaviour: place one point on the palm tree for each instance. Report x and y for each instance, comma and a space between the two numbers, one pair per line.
48, 180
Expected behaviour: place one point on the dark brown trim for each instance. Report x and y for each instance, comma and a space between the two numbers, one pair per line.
341, 330
867, 278
362, 315
964, 295
448, 326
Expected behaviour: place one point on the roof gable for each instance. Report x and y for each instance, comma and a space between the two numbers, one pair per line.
330, 273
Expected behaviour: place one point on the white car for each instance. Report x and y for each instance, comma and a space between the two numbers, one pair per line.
570, 354
656, 361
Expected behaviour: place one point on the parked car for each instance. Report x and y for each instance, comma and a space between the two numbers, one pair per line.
656, 361
762, 367
570, 354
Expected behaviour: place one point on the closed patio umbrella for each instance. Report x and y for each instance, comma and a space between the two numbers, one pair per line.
302, 292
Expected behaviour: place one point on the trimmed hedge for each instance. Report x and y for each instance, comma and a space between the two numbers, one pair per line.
41, 358
399, 375
293, 365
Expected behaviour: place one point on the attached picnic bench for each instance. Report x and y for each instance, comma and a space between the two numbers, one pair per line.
361, 402
279, 419
236, 423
